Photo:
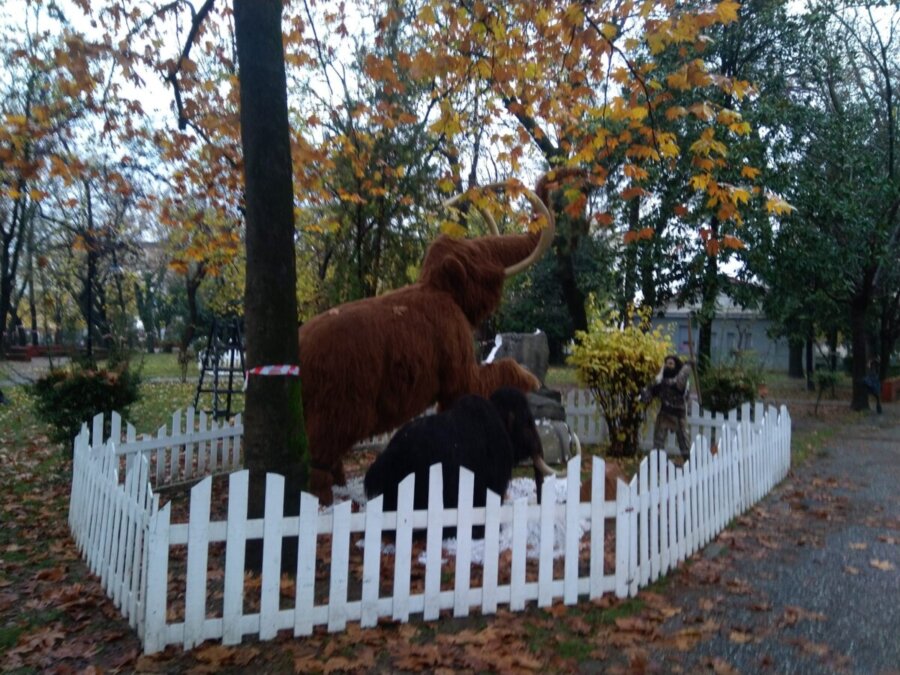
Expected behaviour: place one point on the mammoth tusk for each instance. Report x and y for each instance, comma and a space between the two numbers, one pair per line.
488, 218
577, 444
547, 232
541, 466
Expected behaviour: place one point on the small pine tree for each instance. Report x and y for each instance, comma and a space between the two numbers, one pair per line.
616, 359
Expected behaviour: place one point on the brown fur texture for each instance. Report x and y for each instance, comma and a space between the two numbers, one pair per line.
371, 365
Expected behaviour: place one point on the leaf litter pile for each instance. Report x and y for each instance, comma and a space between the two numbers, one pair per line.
55, 617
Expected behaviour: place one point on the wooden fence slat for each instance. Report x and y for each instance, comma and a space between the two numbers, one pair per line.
174, 448
235, 549
403, 549
270, 587
463, 568
598, 523
643, 517
573, 530
371, 562
197, 556
622, 538
657, 531
307, 547
665, 513
519, 544
340, 560
547, 529
633, 553
433, 543
157, 581
491, 554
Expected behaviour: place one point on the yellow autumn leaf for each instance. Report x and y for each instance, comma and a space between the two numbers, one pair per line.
778, 206
727, 11
700, 181
740, 195
749, 172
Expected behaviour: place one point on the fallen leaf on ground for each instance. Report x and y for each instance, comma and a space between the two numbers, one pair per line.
740, 637
849, 569
884, 565
859, 546
722, 667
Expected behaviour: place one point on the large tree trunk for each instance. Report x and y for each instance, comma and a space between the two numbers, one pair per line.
274, 436
795, 359
810, 365
709, 293
858, 309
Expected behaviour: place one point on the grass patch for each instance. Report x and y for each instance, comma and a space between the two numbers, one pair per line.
157, 402
577, 649
9, 636
620, 611
160, 365
561, 377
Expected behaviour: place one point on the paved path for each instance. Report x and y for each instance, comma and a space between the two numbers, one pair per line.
809, 580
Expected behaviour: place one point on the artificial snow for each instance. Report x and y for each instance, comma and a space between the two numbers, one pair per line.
519, 488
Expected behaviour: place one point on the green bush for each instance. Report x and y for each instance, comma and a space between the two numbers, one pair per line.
616, 359
65, 398
725, 386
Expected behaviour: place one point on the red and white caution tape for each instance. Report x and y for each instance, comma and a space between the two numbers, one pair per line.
287, 370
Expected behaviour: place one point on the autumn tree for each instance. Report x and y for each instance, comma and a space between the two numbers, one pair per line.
369, 184
848, 183
576, 85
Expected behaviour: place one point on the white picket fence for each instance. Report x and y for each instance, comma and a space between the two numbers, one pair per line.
183, 583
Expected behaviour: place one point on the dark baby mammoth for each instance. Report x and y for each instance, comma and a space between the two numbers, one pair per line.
487, 436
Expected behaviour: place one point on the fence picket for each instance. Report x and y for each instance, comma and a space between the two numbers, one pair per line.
517, 567
433, 538
403, 548
270, 587
463, 543
573, 530
372, 562
307, 544
655, 556
598, 524
235, 549
622, 540
340, 559
197, 556
545, 555
491, 566
157, 581
643, 522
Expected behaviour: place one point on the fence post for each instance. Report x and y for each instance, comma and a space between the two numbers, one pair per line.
598, 523
235, 551
157, 581
463, 542
433, 543
623, 530
371, 562
270, 587
197, 556
573, 530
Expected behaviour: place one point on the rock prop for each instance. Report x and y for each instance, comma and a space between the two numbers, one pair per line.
532, 351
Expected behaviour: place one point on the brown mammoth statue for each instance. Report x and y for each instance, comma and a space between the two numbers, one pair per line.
371, 365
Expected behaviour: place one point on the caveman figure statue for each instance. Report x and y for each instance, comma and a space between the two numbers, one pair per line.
369, 366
